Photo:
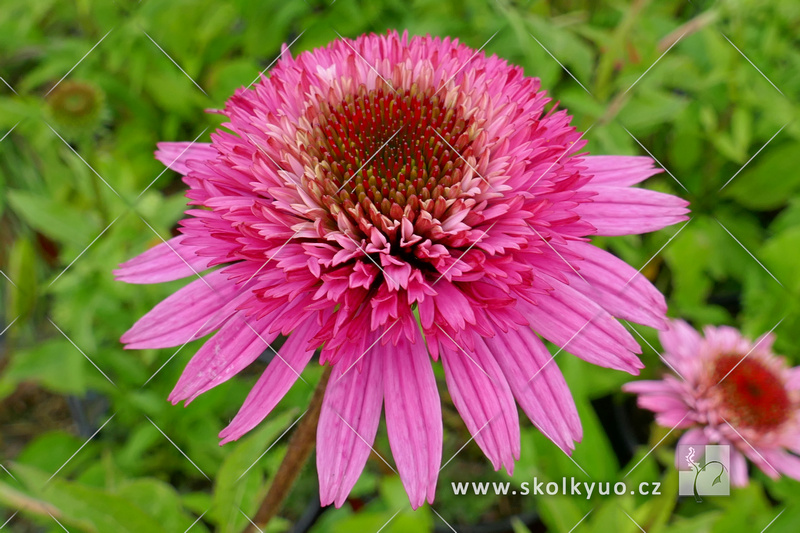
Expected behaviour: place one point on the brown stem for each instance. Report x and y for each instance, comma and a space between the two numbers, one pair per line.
300, 446
696, 24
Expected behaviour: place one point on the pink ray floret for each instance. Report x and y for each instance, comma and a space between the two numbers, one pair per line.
387, 201
728, 390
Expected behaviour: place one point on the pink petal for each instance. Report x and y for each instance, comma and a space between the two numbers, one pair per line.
229, 351
657, 403
453, 306
351, 412
758, 459
739, 476
761, 459
793, 383
694, 437
275, 381
537, 384
174, 155
665, 398
188, 314
780, 460
678, 417
630, 211
413, 417
577, 324
791, 439
653, 387
725, 339
167, 261
617, 287
484, 400
681, 344
619, 170
764, 342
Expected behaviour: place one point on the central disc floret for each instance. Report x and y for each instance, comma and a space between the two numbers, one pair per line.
750, 392
383, 154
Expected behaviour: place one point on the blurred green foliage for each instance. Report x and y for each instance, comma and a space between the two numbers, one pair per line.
80, 192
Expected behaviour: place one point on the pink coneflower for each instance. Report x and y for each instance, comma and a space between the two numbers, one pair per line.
733, 391
390, 200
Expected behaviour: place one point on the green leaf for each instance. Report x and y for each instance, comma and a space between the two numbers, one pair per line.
238, 484
51, 449
742, 126
29, 505
787, 218
649, 110
660, 507
78, 504
22, 271
746, 505
701, 523
53, 218
561, 513
769, 180
161, 501
518, 526
55, 364
776, 257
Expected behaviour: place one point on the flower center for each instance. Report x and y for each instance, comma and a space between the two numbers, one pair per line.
75, 104
751, 393
380, 155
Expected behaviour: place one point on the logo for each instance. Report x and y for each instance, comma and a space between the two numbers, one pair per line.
704, 470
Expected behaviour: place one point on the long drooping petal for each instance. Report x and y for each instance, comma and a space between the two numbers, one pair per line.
413, 416
275, 381
579, 325
237, 344
629, 211
537, 384
484, 400
617, 287
351, 412
188, 314
167, 261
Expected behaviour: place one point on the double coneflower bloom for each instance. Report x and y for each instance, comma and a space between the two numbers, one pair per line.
728, 390
387, 202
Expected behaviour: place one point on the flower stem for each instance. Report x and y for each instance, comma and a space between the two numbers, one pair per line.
300, 446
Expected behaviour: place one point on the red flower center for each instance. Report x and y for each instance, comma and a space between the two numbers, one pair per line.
381, 155
751, 393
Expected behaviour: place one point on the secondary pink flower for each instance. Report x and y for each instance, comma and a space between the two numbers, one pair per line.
733, 391
388, 200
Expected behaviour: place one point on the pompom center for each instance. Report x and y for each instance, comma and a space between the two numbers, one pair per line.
382, 155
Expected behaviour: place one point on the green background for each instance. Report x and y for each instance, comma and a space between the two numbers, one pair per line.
661, 76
